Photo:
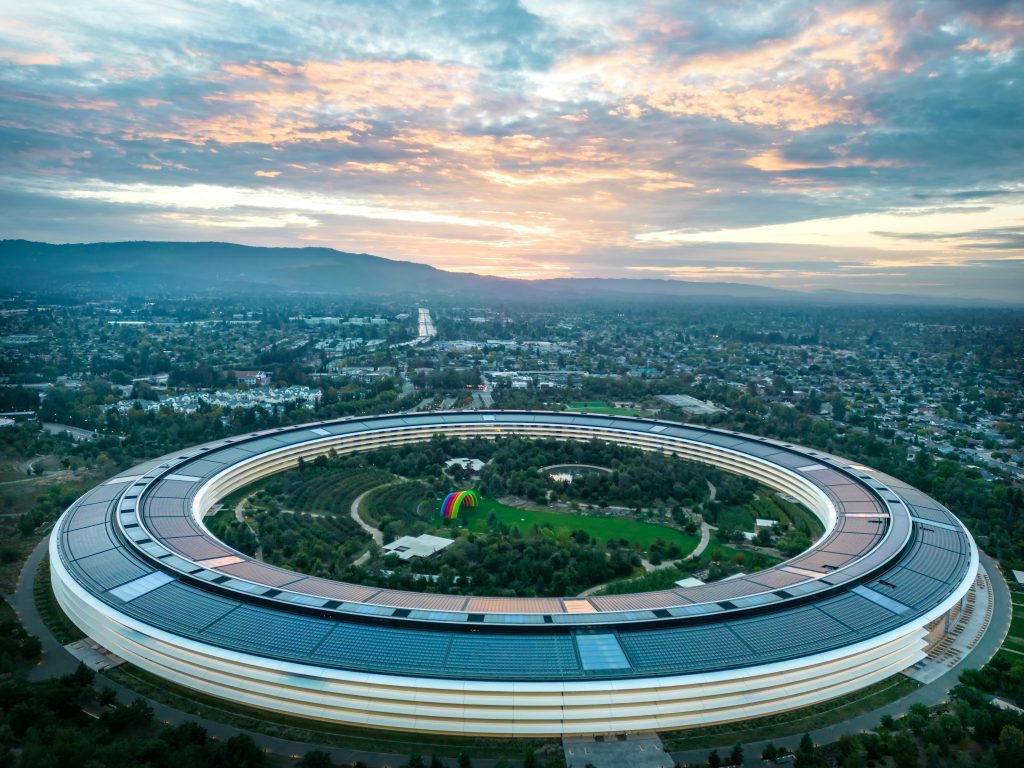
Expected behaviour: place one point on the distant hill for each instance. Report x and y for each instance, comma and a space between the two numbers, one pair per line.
181, 268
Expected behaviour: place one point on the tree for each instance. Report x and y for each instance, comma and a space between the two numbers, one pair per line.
736, 756
138, 714
316, 758
239, 752
713, 759
904, 751
805, 753
1010, 747
107, 696
806, 743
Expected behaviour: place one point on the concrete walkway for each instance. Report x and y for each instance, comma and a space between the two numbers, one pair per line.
930, 695
705, 539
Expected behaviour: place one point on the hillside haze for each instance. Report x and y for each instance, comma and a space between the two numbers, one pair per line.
183, 268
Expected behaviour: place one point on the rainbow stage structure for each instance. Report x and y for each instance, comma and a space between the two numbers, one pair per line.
454, 502
133, 565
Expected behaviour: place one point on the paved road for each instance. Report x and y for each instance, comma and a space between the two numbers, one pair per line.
930, 695
57, 661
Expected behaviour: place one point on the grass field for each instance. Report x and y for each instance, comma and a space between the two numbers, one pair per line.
603, 528
1017, 627
1013, 644
603, 408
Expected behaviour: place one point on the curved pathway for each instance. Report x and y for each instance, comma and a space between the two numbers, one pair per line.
571, 466
375, 533
705, 539
55, 660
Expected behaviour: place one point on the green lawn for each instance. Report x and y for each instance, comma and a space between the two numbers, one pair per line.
603, 408
1017, 627
1013, 644
603, 528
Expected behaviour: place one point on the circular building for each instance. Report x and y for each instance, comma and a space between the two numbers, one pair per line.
134, 567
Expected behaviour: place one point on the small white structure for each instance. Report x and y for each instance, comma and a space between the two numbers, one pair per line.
1019, 576
763, 522
424, 545
474, 465
691, 404
689, 581
1004, 704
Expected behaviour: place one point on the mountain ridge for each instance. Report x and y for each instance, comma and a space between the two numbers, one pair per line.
181, 267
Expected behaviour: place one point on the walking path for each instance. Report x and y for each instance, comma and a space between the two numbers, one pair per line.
705, 539
705, 529
378, 537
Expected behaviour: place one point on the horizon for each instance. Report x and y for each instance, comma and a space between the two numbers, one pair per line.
1014, 300
869, 148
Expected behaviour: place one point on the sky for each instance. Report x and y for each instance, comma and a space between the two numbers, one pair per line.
808, 145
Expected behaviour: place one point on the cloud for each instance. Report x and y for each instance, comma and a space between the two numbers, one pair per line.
584, 136
773, 161
207, 197
945, 230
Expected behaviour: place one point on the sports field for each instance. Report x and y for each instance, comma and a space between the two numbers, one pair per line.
600, 527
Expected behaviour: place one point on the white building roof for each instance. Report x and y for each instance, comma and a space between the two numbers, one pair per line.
424, 545
689, 581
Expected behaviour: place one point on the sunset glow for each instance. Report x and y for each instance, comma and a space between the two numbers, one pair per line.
868, 145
